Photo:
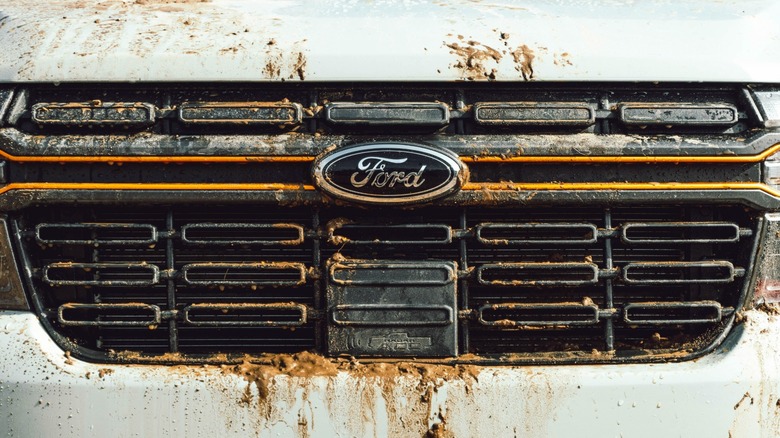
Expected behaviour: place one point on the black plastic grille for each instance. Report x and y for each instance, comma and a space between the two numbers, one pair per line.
622, 281
367, 108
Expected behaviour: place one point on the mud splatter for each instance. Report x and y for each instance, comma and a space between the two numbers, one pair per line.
439, 430
745, 398
562, 59
284, 64
299, 67
479, 61
475, 61
297, 365
523, 57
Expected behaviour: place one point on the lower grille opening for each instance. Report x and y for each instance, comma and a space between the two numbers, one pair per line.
522, 285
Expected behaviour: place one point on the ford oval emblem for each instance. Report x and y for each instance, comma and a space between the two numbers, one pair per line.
389, 173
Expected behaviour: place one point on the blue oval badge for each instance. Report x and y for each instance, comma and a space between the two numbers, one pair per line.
389, 173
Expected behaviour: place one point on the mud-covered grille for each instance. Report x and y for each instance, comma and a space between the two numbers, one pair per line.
420, 108
526, 284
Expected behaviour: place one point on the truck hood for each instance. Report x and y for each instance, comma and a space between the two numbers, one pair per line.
349, 40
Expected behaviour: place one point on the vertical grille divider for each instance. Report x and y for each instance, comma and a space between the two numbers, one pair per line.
319, 329
460, 105
463, 286
95, 259
314, 100
166, 122
609, 330
173, 329
603, 127
95, 295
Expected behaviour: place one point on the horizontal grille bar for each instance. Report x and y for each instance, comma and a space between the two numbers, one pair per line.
366, 272
690, 312
538, 274
388, 113
511, 315
242, 234
536, 234
90, 274
679, 272
681, 232
249, 113
679, 114
405, 234
534, 114
112, 114
109, 315
95, 234
245, 315
391, 315
245, 274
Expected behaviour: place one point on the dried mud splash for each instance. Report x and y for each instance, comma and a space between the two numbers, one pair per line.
479, 61
283, 63
410, 390
524, 58
297, 365
475, 60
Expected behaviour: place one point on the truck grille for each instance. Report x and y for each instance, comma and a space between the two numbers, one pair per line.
531, 284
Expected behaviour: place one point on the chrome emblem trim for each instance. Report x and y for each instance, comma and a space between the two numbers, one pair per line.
389, 173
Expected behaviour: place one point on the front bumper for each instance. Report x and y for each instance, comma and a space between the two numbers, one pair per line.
734, 391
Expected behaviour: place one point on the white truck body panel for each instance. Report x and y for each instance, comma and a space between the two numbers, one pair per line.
733, 392
264, 40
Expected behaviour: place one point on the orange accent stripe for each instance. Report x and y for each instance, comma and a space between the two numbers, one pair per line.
158, 159
153, 186
620, 186
466, 159
468, 187
626, 159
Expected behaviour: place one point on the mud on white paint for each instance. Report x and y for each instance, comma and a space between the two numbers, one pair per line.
228, 40
45, 393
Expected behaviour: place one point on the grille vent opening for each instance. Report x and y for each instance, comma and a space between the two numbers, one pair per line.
421, 108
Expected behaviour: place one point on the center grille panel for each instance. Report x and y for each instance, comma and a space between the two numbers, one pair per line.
601, 283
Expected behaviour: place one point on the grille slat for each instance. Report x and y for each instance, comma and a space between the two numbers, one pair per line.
123, 314
96, 234
717, 271
244, 274
694, 312
242, 234
245, 315
511, 315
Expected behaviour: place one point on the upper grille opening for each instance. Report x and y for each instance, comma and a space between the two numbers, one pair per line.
206, 109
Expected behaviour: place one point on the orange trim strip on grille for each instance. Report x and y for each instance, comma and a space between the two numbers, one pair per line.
467, 187
621, 186
626, 159
466, 159
158, 159
153, 186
